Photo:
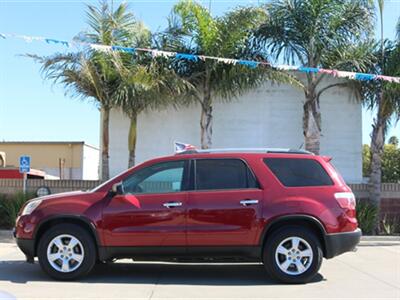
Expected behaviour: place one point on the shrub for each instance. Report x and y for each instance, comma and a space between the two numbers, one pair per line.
390, 225
390, 162
366, 215
10, 206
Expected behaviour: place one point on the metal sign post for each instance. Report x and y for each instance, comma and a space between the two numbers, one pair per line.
24, 168
24, 183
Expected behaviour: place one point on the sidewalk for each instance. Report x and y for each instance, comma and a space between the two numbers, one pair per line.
367, 240
6, 236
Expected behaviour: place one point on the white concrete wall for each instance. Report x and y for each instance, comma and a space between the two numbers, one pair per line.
270, 116
91, 157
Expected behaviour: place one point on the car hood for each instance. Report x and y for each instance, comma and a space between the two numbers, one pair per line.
62, 195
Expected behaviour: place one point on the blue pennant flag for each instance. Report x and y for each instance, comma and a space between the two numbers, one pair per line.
52, 41
308, 70
190, 57
123, 49
364, 76
250, 63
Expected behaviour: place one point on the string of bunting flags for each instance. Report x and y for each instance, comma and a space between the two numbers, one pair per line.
195, 58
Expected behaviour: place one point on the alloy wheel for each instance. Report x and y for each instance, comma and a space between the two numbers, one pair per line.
294, 255
65, 253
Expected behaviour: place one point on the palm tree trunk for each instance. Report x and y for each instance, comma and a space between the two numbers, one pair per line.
132, 140
377, 142
311, 122
375, 179
105, 168
206, 118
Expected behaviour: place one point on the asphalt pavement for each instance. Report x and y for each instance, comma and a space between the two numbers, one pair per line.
372, 272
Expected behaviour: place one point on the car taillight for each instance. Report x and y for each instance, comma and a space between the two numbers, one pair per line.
346, 200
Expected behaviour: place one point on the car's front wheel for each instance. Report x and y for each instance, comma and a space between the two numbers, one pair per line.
66, 252
293, 255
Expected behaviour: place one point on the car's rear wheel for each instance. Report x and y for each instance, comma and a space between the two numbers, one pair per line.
66, 252
293, 255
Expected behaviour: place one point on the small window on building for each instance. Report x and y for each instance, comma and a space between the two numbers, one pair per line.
293, 172
217, 174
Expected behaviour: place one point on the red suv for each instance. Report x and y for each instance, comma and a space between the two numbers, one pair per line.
285, 208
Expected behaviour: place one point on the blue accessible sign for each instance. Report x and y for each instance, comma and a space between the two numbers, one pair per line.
24, 164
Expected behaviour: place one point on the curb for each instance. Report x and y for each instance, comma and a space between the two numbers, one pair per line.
380, 238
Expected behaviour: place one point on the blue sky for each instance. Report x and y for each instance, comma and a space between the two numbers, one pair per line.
31, 109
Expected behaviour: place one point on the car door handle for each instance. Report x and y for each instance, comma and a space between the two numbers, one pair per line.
172, 204
248, 202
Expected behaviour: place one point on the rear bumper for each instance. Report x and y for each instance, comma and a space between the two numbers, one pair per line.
338, 243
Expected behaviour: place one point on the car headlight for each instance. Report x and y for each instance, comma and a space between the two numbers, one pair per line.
30, 207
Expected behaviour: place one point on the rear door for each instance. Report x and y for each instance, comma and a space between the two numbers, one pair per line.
225, 207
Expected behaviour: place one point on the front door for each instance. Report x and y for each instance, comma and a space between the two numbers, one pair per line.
151, 211
225, 207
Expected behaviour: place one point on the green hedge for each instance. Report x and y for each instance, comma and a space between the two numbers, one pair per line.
366, 214
10, 206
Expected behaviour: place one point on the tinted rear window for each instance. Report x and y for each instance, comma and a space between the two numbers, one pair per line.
293, 172
217, 174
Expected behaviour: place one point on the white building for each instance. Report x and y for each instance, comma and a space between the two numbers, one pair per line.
270, 116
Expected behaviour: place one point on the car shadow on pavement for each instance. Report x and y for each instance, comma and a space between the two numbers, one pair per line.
153, 273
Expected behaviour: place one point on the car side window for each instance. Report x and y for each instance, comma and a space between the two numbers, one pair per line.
294, 172
218, 174
166, 177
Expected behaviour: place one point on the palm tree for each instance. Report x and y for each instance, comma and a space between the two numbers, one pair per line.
145, 84
384, 98
331, 34
91, 74
84, 75
192, 29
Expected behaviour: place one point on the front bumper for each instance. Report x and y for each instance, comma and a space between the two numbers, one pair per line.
338, 243
27, 247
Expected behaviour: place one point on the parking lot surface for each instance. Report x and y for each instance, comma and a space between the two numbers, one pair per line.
371, 272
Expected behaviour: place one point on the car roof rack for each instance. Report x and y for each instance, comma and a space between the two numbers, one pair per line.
248, 150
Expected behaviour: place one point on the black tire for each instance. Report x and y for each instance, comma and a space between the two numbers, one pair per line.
279, 236
88, 244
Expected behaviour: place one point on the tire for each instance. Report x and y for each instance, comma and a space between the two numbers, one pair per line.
286, 265
83, 249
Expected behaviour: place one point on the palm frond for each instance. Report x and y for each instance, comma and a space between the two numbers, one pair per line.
229, 36
383, 94
305, 31
108, 27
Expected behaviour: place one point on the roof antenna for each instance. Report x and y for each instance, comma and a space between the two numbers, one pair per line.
301, 145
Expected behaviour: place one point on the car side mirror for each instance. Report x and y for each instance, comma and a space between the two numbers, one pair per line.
118, 188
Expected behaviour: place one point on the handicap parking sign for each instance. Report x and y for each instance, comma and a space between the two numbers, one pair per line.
24, 164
